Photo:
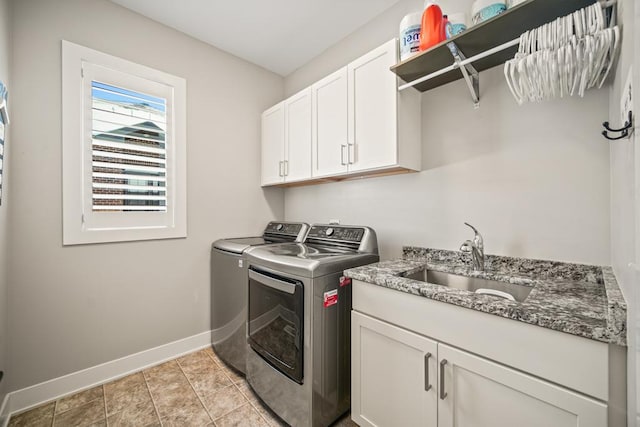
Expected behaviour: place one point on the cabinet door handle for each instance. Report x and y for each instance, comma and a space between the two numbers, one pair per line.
427, 386
286, 168
342, 147
280, 172
442, 392
351, 160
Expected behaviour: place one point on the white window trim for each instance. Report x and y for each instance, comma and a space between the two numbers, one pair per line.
75, 229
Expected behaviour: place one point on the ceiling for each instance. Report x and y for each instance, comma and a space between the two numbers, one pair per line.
279, 35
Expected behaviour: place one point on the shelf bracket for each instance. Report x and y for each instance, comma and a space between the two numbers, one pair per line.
469, 73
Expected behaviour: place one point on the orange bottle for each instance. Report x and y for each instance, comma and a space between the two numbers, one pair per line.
433, 30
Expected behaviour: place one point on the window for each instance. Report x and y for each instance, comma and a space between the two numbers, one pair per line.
124, 149
128, 159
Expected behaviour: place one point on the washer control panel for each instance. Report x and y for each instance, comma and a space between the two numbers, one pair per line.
283, 228
334, 232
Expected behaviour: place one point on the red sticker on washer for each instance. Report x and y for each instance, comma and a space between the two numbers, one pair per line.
330, 298
344, 281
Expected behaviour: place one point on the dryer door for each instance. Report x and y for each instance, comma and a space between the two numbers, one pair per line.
276, 321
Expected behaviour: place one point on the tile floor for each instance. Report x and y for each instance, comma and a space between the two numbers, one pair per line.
192, 390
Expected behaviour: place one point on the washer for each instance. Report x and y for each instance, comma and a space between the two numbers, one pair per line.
299, 322
229, 288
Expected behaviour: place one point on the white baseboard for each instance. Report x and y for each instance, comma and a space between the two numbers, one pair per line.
29, 397
4, 411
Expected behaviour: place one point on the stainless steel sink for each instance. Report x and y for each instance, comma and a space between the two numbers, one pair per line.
473, 284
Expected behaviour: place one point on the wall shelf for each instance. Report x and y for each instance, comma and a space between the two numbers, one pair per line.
482, 37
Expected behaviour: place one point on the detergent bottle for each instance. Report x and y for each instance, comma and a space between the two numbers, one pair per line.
410, 35
433, 28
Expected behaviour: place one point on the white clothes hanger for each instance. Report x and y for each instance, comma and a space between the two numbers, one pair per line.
563, 57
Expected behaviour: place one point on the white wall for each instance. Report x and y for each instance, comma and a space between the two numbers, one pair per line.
74, 307
533, 179
625, 199
5, 54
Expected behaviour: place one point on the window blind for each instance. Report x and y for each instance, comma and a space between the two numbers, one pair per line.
128, 143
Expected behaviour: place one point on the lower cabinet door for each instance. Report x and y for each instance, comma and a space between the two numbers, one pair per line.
393, 375
477, 392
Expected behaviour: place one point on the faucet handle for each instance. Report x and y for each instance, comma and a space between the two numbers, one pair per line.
467, 246
477, 239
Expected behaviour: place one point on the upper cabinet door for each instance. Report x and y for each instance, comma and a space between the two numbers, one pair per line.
478, 392
373, 109
273, 134
329, 136
298, 136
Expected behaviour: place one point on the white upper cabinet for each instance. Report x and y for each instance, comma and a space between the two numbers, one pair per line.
286, 140
273, 145
330, 125
360, 125
297, 162
373, 110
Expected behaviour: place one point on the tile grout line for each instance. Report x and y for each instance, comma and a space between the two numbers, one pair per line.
269, 423
57, 401
153, 402
219, 363
233, 384
193, 388
104, 399
256, 408
55, 411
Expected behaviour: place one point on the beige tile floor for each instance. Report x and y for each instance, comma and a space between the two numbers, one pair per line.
192, 390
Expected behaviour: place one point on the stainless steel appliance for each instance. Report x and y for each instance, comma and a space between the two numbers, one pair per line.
229, 288
299, 322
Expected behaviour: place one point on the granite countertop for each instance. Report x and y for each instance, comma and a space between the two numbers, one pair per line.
578, 299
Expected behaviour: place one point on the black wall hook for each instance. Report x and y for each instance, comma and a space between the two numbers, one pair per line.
625, 129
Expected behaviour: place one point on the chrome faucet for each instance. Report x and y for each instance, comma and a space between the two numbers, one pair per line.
476, 248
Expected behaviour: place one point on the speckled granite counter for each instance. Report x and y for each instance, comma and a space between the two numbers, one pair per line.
578, 299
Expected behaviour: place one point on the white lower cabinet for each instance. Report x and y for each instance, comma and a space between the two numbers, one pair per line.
479, 392
394, 376
403, 378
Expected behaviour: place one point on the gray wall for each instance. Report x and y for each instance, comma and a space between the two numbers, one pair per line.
625, 165
74, 307
534, 179
5, 54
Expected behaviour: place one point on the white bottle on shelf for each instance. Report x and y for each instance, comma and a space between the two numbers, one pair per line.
410, 35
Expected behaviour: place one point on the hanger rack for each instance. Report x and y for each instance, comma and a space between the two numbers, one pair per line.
416, 71
625, 131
